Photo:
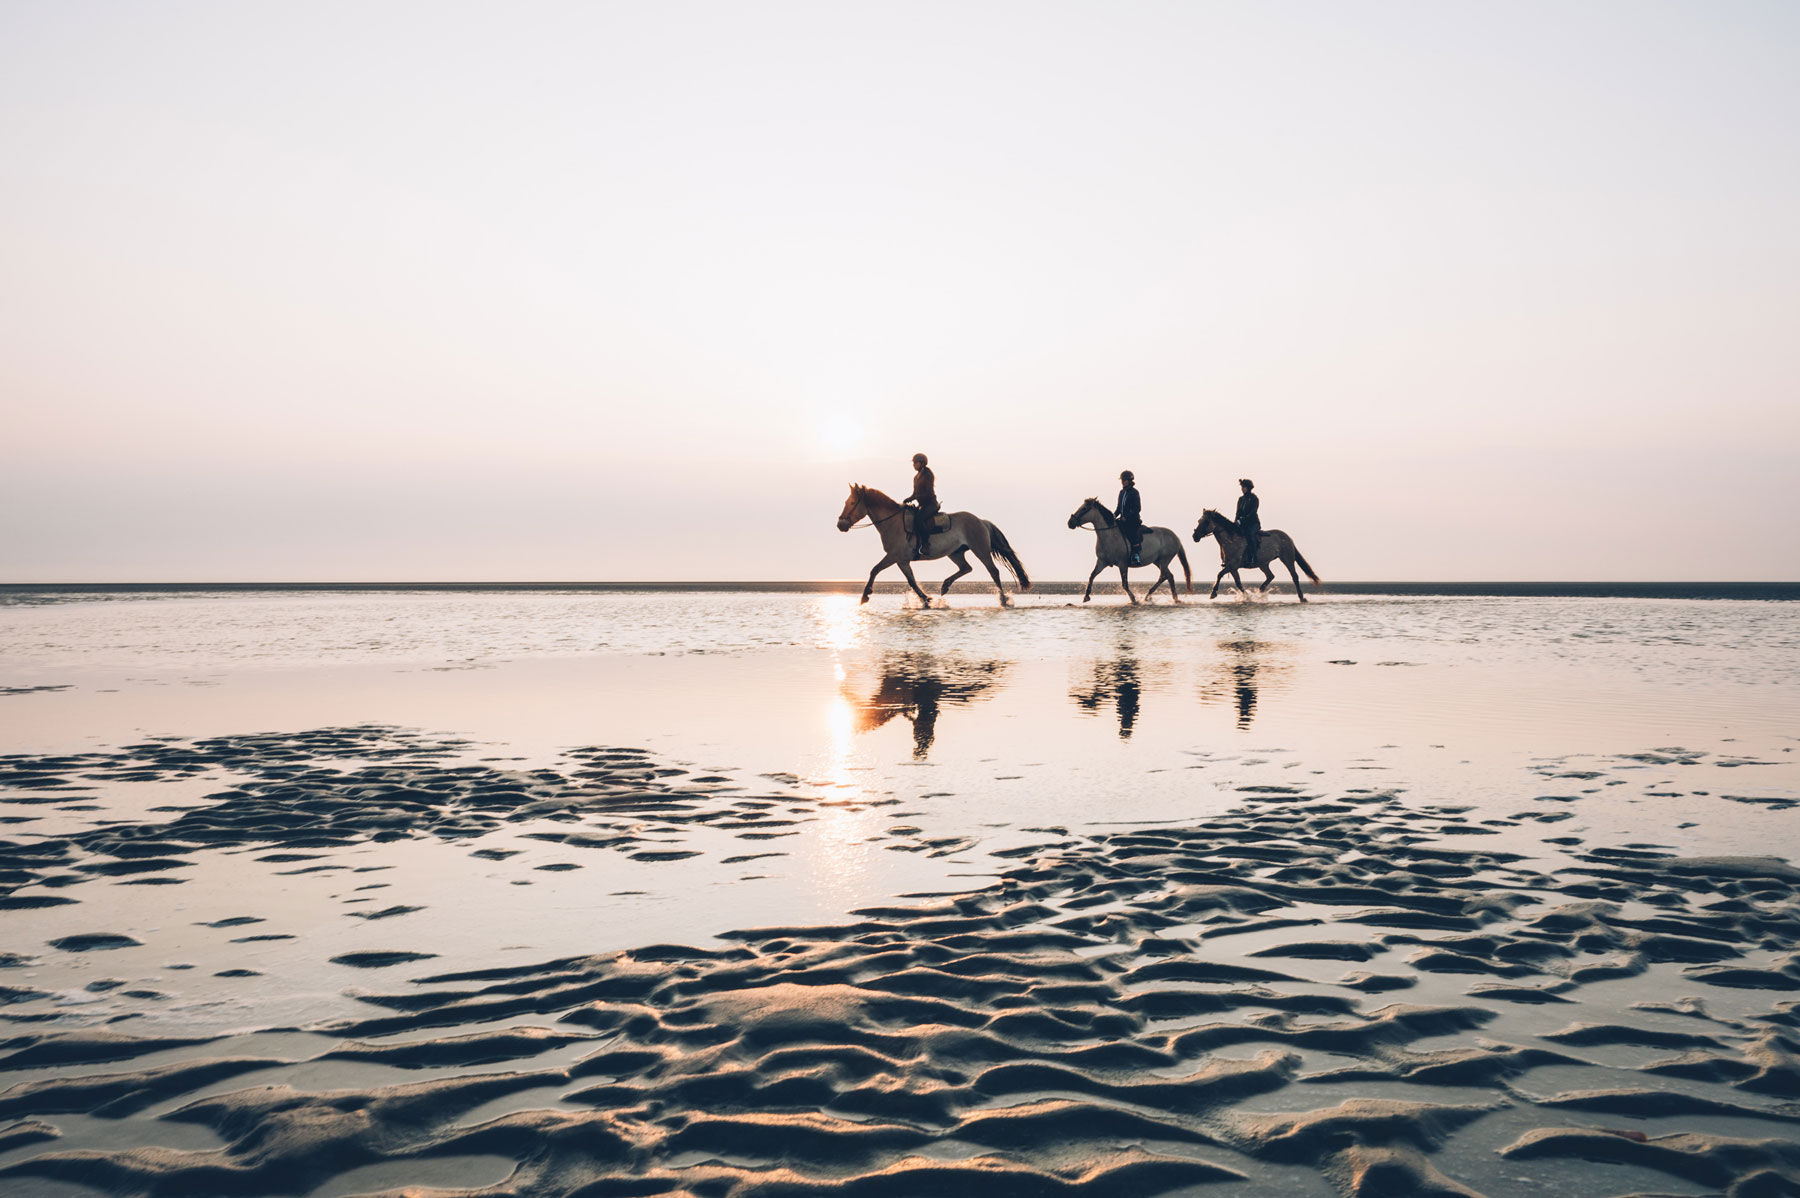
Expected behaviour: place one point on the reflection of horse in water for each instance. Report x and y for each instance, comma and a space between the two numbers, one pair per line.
1237, 677
1275, 545
957, 534
1120, 681
917, 686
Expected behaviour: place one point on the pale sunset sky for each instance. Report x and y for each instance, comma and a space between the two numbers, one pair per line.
561, 291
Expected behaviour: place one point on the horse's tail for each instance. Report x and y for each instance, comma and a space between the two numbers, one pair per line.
1300, 560
1181, 552
1004, 548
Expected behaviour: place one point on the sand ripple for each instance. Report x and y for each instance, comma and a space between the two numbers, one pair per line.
1304, 996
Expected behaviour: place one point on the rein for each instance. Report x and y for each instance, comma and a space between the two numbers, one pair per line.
872, 522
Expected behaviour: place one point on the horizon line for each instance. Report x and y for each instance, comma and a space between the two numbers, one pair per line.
833, 584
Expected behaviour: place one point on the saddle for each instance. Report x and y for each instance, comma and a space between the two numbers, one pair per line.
940, 521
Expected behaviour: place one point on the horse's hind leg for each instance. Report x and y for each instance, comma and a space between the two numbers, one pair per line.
961, 558
881, 565
987, 559
1289, 563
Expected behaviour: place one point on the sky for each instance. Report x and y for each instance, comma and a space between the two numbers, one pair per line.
573, 291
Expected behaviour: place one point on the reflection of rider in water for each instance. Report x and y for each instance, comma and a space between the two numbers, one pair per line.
924, 493
1120, 682
1126, 697
1248, 522
1129, 515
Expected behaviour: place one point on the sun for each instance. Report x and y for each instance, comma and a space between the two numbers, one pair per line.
840, 436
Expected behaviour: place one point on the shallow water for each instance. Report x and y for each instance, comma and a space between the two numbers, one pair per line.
967, 726
796, 757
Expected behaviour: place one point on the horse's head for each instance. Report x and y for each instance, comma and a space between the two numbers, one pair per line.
1206, 524
1082, 515
853, 508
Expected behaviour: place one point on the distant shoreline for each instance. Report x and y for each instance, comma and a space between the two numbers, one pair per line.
1773, 591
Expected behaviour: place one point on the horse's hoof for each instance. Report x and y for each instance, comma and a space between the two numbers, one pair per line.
865, 599
1087, 598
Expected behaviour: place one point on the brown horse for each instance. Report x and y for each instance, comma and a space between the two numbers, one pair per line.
1275, 545
965, 532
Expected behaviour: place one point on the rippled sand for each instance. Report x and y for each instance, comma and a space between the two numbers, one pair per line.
1213, 899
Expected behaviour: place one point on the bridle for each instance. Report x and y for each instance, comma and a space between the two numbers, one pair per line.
1104, 514
872, 521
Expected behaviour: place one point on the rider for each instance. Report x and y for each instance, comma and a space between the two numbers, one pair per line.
1248, 522
924, 494
1128, 514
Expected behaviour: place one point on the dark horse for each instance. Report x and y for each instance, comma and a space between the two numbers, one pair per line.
1275, 545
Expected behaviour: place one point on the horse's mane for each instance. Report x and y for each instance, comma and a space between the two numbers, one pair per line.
867, 493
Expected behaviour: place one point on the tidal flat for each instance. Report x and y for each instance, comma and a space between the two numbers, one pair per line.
730, 893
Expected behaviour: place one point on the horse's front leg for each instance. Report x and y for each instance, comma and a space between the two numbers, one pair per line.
881, 565
1223, 571
1268, 577
1125, 582
1092, 574
906, 569
1174, 592
1238, 579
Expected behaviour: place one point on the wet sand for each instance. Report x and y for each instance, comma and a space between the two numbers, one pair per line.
1314, 992
1027, 939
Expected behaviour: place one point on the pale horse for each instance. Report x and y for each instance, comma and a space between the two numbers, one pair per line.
1112, 549
957, 534
1274, 545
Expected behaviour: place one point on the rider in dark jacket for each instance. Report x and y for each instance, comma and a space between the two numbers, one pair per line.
924, 493
1129, 514
1249, 523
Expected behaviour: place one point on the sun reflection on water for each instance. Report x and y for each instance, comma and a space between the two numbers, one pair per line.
848, 821
840, 619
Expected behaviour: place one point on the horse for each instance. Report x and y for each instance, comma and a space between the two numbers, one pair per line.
1275, 545
966, 533
1112, 549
